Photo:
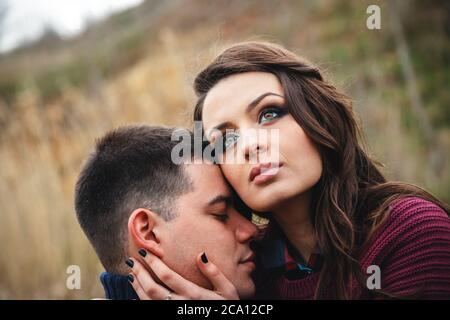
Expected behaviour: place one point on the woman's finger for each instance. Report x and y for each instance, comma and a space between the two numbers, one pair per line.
221, 284
171, 279
138, 288
144, 282
140, 291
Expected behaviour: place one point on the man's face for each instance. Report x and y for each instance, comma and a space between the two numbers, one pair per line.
207, 222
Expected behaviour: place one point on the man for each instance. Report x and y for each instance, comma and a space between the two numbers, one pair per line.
131, 197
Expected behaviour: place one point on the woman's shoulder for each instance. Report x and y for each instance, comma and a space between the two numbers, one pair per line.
415, 215
416, 208
411, 222
412, 249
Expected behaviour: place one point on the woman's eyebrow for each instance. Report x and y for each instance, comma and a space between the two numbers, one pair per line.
255, 102
249, 108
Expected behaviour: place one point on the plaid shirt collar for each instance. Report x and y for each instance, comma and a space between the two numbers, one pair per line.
276, 254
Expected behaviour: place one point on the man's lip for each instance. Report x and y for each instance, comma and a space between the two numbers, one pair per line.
257, 170
250, 258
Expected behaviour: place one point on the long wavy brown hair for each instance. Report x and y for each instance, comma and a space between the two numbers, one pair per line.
352, 197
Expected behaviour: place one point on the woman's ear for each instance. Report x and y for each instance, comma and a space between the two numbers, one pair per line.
143, 226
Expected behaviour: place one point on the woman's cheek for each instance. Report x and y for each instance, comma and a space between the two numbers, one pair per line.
234, 174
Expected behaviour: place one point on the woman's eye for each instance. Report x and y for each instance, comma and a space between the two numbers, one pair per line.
269, 115
229, 140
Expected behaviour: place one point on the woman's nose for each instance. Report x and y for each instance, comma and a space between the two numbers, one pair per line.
252, 147
251, 151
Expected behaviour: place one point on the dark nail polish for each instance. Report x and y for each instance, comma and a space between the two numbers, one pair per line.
204, 258
129, 263
130, 277
142, 252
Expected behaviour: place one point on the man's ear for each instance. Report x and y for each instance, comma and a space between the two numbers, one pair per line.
143, 227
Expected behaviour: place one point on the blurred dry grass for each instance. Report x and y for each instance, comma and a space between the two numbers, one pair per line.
45, 134
42, 148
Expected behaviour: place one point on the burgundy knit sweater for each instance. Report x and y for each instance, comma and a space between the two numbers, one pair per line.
412, 249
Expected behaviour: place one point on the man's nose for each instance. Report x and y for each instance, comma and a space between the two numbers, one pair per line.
246, 231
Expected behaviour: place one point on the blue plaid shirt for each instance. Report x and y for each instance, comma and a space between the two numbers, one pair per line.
276, 256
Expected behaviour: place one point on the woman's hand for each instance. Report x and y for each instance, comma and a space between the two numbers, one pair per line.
180, 288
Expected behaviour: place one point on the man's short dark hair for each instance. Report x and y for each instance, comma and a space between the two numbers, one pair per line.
130, 168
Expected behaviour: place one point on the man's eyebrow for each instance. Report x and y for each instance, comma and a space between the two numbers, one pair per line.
249, 108
220, 199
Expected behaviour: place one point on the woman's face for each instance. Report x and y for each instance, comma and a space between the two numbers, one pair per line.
285, 167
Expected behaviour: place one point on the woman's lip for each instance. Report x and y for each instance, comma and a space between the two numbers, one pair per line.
264, 172
254, 172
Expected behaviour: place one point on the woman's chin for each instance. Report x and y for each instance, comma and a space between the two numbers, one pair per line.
265, 199
262, 206
272, 199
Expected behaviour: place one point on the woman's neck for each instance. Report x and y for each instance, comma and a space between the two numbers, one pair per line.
294, 219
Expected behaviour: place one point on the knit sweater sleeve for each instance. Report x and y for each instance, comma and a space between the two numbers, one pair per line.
412, 250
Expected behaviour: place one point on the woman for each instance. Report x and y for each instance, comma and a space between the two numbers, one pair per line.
334, 219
